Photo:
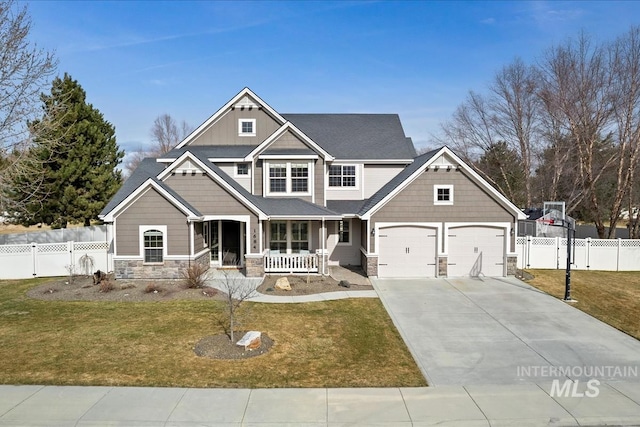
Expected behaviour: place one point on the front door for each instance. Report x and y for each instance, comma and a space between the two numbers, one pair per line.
231, 248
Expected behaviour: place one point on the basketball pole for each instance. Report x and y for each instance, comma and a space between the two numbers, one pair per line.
567, 283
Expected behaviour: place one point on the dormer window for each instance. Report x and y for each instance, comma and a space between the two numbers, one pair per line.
247, 127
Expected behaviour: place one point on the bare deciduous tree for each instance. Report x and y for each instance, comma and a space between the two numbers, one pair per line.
24, 71
165, 134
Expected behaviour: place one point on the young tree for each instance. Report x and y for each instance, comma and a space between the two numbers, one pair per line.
24, 72
81, 175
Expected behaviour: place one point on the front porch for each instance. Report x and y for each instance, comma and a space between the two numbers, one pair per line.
275, 262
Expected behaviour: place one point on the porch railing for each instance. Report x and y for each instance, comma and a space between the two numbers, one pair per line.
290, 263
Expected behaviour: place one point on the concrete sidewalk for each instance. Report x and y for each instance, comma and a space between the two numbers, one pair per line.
512, 405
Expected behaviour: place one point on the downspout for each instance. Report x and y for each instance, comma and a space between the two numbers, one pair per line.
323, 244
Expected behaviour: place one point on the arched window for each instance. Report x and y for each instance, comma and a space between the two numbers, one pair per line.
153, 246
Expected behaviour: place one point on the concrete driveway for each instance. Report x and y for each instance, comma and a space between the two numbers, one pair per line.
465, 331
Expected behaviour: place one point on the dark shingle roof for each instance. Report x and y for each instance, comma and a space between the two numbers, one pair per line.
396, 181
345, 207
211, 151
356, 136
148, 168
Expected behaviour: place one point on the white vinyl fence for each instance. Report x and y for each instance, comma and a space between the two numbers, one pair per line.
590, 254
93, 233
53, 259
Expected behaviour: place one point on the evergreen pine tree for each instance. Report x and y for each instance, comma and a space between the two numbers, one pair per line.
81, 173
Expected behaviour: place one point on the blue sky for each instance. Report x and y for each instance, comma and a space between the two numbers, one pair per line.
137, 60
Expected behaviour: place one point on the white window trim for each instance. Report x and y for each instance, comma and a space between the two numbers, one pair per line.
235, 170
442, 202
288, 193
165, 241
338, 242
290, 235
341, 188
240, 133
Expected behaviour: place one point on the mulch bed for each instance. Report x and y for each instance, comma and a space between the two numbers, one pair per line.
221, 347
307, 285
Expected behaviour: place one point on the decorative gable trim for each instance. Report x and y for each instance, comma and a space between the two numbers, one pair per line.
214, 175
288, 126
141, 190
445, 158
241, 100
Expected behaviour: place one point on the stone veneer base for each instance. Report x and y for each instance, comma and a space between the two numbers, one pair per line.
169, 269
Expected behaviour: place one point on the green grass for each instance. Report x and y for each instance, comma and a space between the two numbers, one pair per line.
346, 343
613, 297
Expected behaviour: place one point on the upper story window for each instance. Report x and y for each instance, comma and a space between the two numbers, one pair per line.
342, 176
247, 127
443, 194
242, 169
291, 178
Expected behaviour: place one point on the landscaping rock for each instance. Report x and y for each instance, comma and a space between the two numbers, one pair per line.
283, 284
344, 284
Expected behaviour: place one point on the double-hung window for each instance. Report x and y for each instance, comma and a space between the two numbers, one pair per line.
299, 177
153, 243
299, 237
289, 178
342, 176
277, 177
289, 237
278, 236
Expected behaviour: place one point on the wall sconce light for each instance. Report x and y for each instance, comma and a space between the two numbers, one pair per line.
512, 232
373, 232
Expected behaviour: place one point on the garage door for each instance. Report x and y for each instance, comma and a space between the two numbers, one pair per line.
475, 251
407, 252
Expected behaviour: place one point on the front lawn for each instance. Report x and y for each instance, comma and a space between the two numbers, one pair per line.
346, 343
613, 297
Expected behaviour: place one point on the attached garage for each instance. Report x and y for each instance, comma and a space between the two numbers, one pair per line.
407, 251
476, 251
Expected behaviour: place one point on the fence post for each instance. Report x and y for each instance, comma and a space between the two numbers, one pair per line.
557, 253
528, 252
34, 255
71, 257
618, 254
587, 249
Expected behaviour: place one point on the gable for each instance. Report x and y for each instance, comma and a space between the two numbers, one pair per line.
415, 202
225, 130
206, 195
287, 141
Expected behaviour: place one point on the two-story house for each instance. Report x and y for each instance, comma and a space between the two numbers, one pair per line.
267, 192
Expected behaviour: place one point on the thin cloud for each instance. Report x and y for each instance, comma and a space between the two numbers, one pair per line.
488, 21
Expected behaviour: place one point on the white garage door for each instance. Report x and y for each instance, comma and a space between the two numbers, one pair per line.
476, 251
407, 252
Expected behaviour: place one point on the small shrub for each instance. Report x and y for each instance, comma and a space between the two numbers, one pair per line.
152, 288
106, 286
127, 286
195, 276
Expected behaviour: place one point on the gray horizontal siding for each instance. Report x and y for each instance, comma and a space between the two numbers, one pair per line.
225, 130
151, 209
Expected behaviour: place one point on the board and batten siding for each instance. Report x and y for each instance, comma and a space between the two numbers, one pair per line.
230, 169
257, 177
376, 176
346, 193
344, 254
471, 203
225, 130
151, 209
318, 182
287, 141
